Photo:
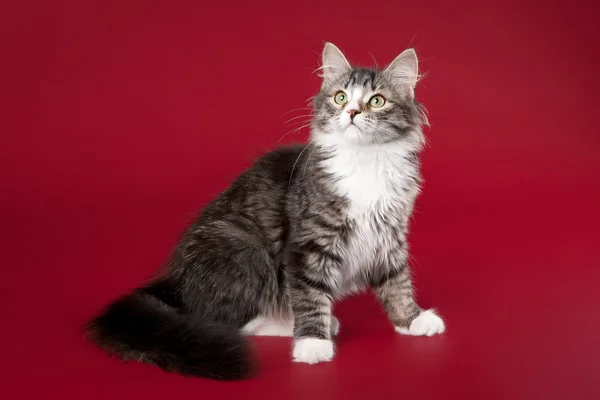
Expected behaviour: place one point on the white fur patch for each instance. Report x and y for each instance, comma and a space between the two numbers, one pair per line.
264, 326
313, 351
369, 176
355, 97
426, 324
376, 180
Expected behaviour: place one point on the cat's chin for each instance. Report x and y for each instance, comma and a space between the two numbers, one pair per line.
355, 135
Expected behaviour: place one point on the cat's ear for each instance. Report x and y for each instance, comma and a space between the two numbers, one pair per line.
404, 72
334, 63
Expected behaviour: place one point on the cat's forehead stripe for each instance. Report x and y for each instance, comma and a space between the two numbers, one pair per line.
362, 77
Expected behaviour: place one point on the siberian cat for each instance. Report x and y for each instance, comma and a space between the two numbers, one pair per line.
303, 227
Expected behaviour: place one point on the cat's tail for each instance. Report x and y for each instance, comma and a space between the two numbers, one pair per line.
143, 326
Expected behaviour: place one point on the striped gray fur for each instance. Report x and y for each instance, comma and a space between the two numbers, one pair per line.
290, 236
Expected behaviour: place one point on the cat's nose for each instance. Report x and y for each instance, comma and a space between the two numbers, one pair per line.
353, 112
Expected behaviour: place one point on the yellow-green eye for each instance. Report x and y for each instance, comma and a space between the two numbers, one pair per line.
340, 98
377, 101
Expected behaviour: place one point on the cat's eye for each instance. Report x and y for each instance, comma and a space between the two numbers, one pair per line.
340, 98
377, 101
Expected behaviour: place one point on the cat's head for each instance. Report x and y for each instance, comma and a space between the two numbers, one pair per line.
368, 106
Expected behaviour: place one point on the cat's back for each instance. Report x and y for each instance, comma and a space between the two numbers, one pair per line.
279, 164
261, 189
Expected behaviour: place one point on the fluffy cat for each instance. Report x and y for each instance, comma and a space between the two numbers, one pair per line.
303, 227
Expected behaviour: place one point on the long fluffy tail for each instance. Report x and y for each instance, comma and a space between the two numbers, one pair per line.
142, 326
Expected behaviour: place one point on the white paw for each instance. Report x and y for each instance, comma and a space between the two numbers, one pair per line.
335, 326
313, 351
426, 324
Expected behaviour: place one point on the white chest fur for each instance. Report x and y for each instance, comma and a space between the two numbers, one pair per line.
379, 183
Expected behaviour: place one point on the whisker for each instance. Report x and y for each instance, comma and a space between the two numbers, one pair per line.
374, 60
295, 109
298, 129
372, 126
295, 130
424, 115
413, 39
299, 116
306, 163
322, 67
295, 124
294, 166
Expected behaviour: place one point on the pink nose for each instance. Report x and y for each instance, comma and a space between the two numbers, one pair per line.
353, 112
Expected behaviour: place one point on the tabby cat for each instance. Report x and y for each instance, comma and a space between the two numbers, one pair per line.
305, 226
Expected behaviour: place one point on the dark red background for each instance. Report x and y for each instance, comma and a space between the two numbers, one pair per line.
121, 118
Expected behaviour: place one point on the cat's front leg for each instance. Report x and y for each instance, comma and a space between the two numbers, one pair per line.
395, 291
311, 301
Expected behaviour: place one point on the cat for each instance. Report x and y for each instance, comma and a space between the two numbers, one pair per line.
305, 226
